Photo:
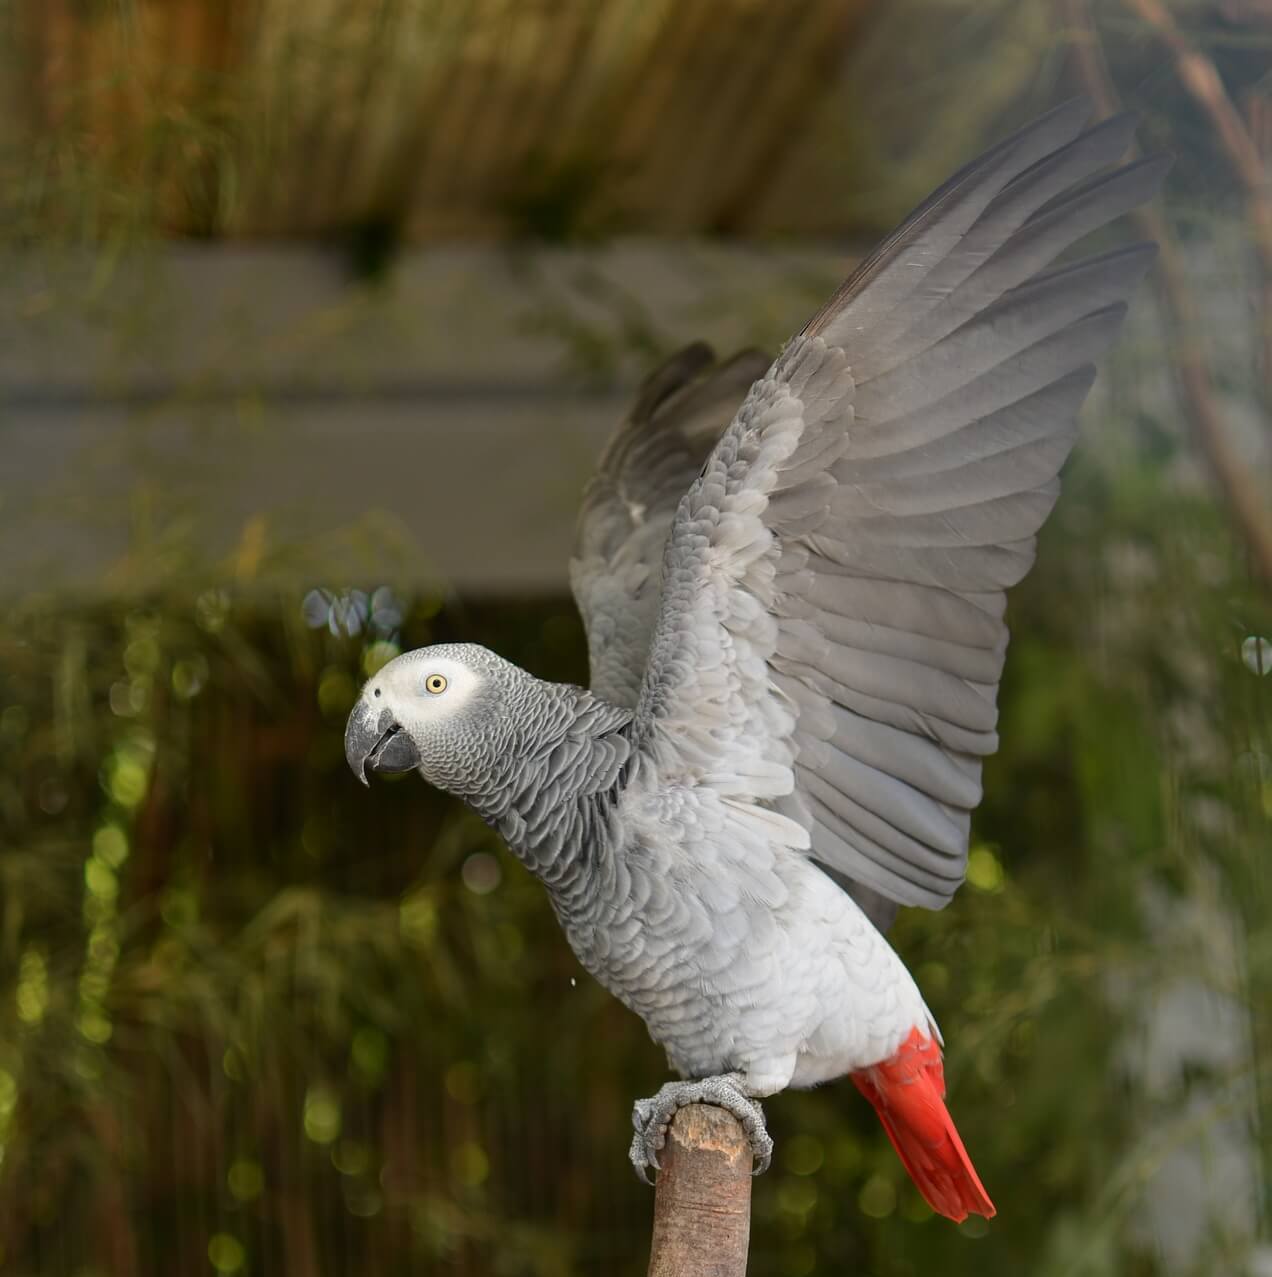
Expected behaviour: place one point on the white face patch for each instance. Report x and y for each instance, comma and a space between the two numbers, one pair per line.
424, 689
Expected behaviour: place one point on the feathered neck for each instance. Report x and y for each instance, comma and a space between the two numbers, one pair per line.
549, 796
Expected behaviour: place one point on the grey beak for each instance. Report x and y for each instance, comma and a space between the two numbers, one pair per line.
375, 742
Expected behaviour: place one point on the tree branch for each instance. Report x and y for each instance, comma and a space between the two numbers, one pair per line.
702, 1205
1189, 363
1198, 75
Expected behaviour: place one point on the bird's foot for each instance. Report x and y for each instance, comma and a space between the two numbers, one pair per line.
652, 1117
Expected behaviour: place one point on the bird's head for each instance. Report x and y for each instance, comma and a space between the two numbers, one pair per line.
447, 711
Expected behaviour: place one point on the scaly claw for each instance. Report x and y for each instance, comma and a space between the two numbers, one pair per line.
652, 1117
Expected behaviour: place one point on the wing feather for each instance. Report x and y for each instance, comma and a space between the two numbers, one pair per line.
830, 638
680, 412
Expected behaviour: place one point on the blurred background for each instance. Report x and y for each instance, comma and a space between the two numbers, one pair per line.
315, 315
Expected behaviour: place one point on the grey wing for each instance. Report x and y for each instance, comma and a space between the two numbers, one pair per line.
831, 634
680, 413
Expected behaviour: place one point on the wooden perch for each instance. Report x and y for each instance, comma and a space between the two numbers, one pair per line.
702, 1205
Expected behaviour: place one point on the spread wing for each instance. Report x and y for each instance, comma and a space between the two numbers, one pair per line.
655, 454
830, 639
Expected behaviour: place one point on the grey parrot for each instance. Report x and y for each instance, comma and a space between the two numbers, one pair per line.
792, 576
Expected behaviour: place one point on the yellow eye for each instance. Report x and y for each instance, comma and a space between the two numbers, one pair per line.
435, 684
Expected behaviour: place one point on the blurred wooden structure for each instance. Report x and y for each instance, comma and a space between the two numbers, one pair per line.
527, 184
421, 120
233, 391
438, 117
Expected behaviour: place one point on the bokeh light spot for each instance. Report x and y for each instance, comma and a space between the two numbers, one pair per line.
211, 610
100, 879
878, 1197
141, 657
797, 1196
985, 870
322, 1114
179, 908
110, 846
8, 1095
351, 1157
245, 1179
127, 772
32, 995
190, 676
470, 1164
225, 1253
1256, 653
94, 1026
377, 655
481, 873
369, 1053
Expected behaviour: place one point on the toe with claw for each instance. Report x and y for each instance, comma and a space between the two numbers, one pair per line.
652, 1117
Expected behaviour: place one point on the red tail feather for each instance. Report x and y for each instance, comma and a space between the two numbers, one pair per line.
908, 1093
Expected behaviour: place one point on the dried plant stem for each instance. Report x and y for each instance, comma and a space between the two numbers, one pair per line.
1198, 75
1191, 368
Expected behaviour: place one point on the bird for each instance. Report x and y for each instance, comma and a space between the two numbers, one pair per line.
792, 575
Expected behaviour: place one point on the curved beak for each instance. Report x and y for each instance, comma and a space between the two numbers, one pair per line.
376, 742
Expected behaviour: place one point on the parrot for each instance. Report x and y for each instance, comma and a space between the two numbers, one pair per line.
792, 575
